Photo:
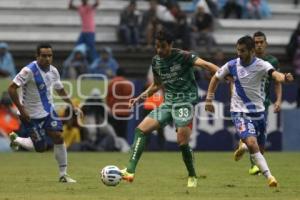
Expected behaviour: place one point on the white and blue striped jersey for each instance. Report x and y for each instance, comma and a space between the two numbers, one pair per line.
248, 93
36, 86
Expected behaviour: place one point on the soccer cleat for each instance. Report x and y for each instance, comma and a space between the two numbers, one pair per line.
238, 154
192, 181
126, 175
13, 136
272, 182
66, 179
254, 170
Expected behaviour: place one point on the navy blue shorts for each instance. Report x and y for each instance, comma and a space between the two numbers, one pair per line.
37, 129
50, 122
250, 124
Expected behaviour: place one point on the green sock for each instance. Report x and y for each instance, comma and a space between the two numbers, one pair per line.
136, 150
188, 158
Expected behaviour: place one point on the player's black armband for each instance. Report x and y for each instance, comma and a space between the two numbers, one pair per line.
270, 72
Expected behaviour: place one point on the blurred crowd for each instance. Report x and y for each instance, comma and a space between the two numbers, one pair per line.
192, 28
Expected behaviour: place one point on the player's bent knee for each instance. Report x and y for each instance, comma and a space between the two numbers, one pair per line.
148, 125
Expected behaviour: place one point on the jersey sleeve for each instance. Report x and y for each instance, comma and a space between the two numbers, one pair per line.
23, 77
57, 85
156, 78
189, 58
267, 66
223, 72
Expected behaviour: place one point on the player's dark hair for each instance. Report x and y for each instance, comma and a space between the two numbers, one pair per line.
247, 41
164, 35
41, 46
259, 34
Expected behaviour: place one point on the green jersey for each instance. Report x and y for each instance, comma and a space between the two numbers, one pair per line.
274, 62
177, 76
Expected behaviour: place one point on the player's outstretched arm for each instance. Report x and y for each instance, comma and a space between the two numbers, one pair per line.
13, 93
211, 94
280, 77
63, 94
207, 65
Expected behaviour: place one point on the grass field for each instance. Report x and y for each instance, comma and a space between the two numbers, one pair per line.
159, 176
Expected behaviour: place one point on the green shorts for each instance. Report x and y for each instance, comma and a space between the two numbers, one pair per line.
180, 113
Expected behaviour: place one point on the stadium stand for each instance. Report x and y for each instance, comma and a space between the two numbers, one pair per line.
24, 23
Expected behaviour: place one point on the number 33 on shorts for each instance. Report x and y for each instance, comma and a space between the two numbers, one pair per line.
183, 113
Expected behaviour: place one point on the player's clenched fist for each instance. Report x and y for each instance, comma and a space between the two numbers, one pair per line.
288, 77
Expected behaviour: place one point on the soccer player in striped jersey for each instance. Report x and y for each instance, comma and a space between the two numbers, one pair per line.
261, 52
35, 105
173, 70
247, 101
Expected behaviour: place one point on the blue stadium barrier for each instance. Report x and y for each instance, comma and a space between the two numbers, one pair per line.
291, 130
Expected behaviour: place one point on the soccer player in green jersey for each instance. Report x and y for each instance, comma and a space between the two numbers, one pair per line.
261, 44
173, 70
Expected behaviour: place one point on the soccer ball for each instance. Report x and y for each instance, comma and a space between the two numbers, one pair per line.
111, 175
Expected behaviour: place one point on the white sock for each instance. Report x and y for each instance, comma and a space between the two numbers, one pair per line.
60, 153
25, 143
261, 162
